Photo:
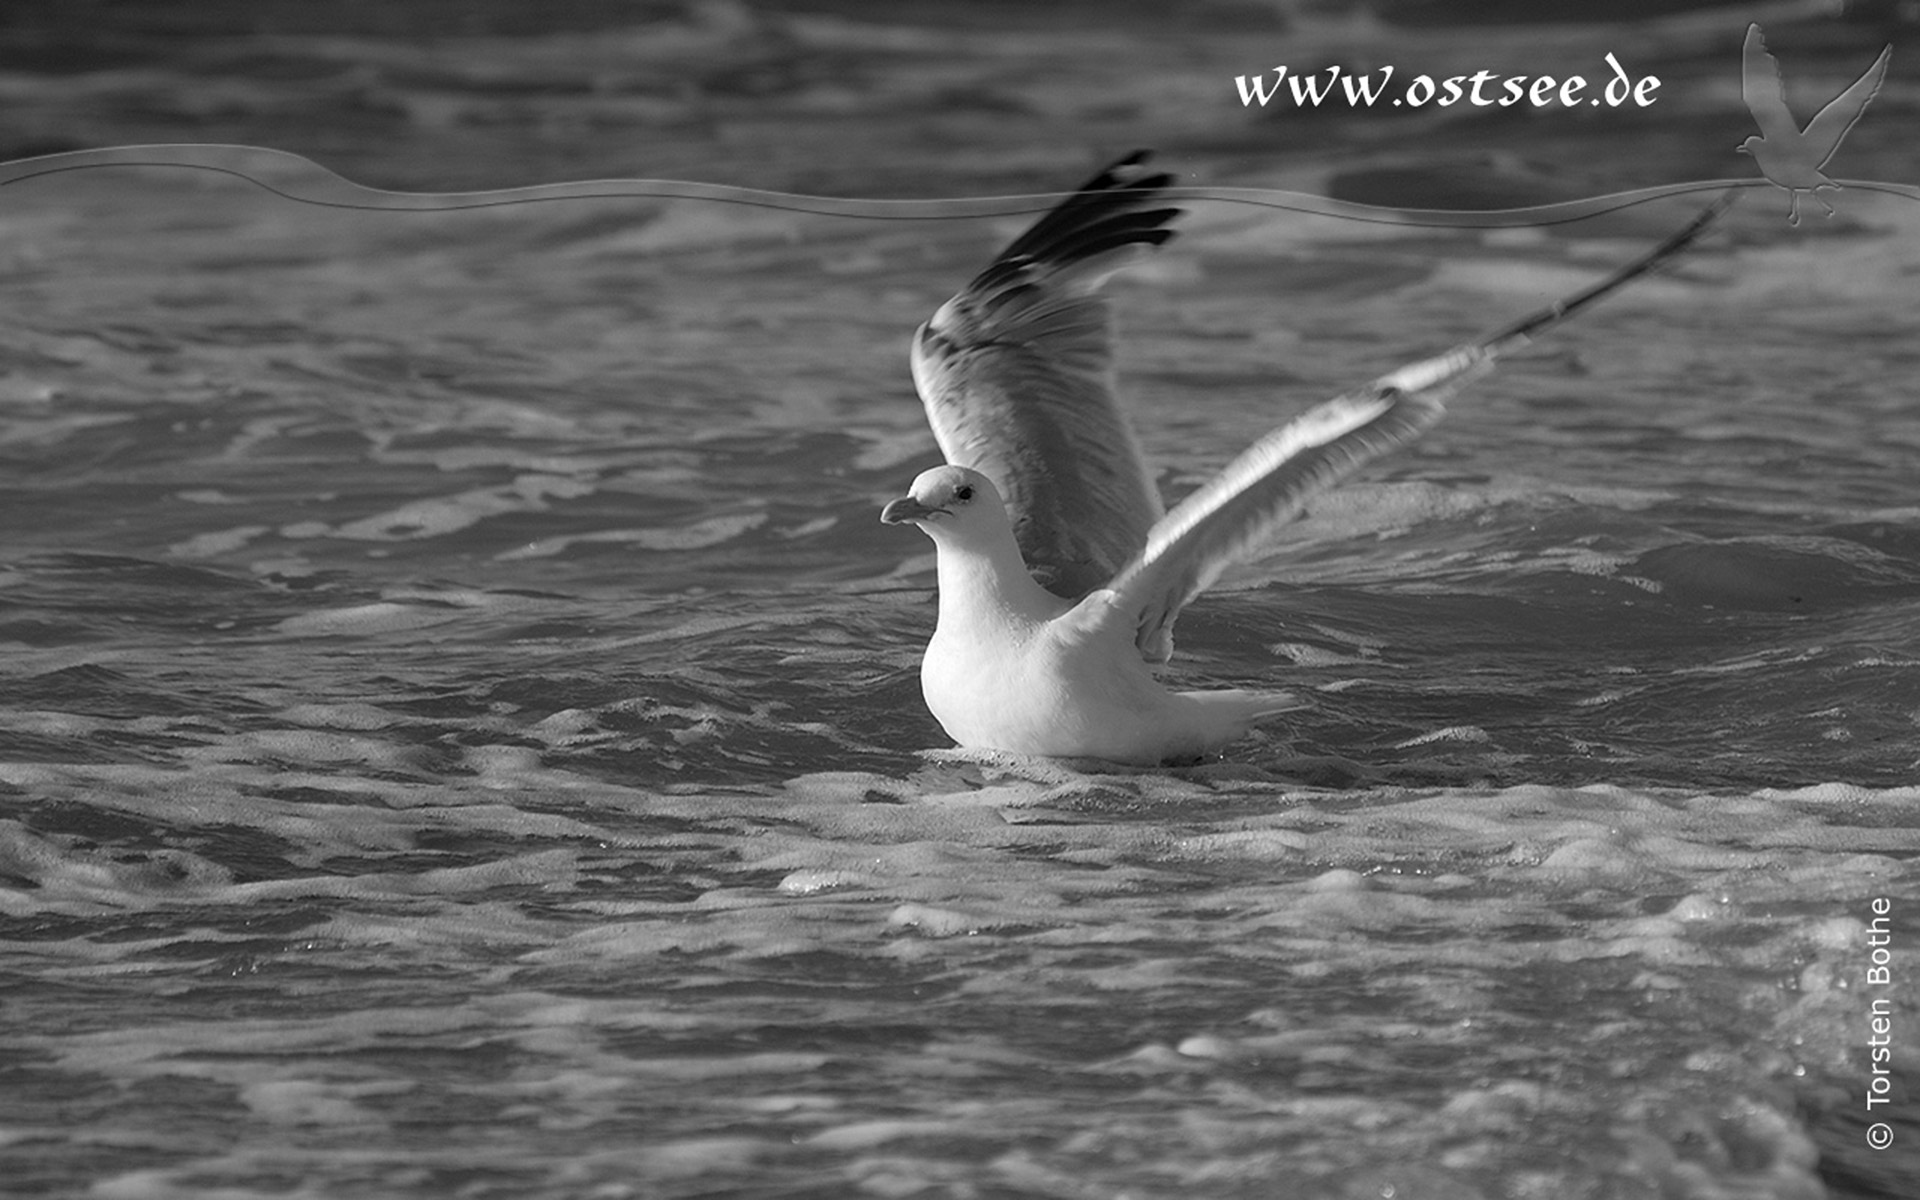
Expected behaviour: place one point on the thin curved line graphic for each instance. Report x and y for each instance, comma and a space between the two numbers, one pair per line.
301, 180
1907, 190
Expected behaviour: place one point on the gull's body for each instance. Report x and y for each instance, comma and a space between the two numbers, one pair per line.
1787, 155
1014, 667
1060, 575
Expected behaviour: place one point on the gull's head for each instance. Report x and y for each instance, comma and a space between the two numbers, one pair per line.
948, 500
1750, 146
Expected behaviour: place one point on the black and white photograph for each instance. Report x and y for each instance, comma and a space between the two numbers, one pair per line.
817, 599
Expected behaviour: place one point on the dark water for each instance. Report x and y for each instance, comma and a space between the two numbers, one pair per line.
459, 726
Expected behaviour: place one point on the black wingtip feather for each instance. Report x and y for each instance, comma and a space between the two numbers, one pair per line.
1536, 323
1107, 212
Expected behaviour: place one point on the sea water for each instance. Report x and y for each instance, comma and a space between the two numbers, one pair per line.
460, 734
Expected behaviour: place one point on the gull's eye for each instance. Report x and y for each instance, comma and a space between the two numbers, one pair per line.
963, 493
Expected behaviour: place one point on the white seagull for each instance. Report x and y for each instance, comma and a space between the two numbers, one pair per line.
1051, 619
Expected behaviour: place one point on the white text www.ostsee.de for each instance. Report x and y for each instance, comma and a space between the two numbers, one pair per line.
1483, 89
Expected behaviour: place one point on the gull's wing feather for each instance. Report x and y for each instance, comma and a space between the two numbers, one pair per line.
1270, 481
1825, 130
1765, 94
1016, 373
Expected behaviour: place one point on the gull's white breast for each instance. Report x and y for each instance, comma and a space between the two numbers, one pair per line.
1065, 688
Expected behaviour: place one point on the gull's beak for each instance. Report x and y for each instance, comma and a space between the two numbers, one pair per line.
907, 510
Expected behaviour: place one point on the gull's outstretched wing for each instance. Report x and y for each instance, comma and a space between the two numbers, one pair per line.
1016, 373
1268, 484
1765, 94
1825, 130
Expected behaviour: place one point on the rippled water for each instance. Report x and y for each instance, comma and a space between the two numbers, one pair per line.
459, 726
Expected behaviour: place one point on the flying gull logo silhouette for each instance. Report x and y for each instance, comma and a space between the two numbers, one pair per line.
1787, 155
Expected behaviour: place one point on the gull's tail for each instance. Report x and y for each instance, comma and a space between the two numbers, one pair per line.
1229, 714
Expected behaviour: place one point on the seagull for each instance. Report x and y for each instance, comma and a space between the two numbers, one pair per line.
1787, 156
1060, 575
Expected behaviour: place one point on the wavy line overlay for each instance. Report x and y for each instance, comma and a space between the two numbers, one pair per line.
293, 177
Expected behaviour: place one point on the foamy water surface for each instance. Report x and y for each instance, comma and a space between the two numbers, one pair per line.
459, 724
